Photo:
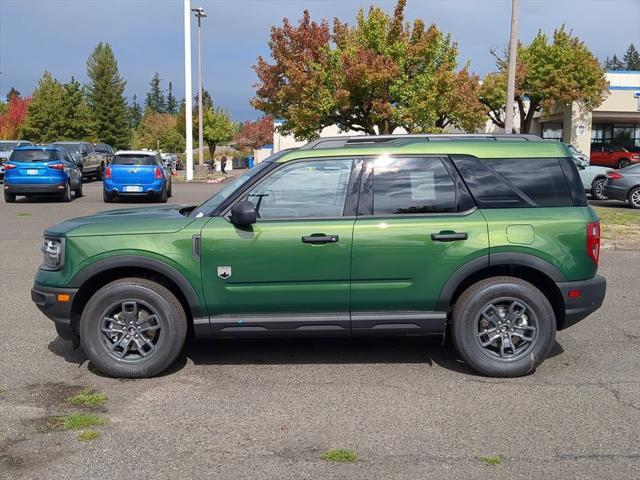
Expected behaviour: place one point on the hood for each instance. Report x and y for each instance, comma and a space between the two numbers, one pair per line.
125, 221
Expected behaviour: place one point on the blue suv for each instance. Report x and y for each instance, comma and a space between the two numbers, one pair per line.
41, 170
136, 173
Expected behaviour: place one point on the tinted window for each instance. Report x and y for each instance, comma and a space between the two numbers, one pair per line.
33, 156
71, 147
412, 185
313, 189
133, 159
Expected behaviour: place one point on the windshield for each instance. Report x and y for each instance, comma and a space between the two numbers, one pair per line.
8, 145
133, 159
215, 201
70, 147
27, 156
101, 148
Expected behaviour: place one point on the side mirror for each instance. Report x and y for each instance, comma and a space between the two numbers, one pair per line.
243, 214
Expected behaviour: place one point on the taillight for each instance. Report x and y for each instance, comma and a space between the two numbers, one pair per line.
614, 175
56, 166
158, 173
107, 172
593, 241
10, 166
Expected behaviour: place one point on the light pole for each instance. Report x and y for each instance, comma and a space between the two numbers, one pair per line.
511, 73
200, 14
188, 96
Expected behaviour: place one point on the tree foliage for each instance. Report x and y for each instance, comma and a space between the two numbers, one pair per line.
548, 74
155, 100
632, 58
172, 103
45, 120
158, 130
105, 97
135, 113
12, 119
217, 128
77, 124
13, 92
374, 76
614, 63
254, 134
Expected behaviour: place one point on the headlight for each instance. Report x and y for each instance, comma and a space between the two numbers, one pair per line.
53, 251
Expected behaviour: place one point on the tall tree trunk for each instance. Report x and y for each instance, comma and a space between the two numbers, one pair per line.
212, 149
526, 119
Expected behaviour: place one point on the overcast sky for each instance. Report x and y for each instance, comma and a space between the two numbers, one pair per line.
147, 36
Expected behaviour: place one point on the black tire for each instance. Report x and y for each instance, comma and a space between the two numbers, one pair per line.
467, 332
99, 172
149, 296
78, 191
623, 162
170, 191
634, 197
107, 197
65, 196
162, 196
9, 197
597, 189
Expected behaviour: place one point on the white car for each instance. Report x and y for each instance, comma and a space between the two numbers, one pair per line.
593, 178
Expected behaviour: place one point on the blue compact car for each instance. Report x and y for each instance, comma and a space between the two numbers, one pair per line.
134, 173
41, 170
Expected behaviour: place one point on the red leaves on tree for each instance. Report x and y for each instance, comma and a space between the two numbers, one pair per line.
11, 121
255, 134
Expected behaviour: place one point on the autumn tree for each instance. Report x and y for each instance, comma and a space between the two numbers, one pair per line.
548, 74
13, 92
13, 118
158, 130
373, 77
254, 134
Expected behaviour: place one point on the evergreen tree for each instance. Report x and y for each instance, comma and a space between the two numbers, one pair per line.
78, 124
13, 92
155, 98
172, 103
46, 120
632, 58
614, 63
181, 119
135, 113
105, 97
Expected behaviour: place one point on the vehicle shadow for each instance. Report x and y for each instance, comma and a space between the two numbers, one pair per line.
306, 351
43, 199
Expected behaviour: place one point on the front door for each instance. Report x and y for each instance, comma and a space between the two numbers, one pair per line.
289, 272
418, 225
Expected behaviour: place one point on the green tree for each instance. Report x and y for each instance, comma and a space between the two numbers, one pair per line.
217, 128
105, 97
135, 113
158, 130
78, 124
632, 58
181, 118
46, 119
374, 76
548, 74
155, 97
172, 103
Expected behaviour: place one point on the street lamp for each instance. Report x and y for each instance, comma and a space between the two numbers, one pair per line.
187, 90
200, 14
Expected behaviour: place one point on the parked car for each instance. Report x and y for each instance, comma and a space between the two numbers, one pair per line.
105, 151
624, 184
170, 161
41, 170
138, 173
593, 177
6, 147
492, 241
85, 156
612, 156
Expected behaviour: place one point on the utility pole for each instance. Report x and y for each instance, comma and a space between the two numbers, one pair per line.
511, 74
188, 96
200, 14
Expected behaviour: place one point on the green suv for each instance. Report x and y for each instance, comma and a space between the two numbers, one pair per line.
488, 239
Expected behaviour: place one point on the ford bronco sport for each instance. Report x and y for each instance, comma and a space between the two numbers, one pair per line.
488, 238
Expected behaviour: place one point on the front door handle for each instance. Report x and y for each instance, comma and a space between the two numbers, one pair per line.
320, 238
448, 236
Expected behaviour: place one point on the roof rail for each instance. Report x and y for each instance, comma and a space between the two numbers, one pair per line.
343, 141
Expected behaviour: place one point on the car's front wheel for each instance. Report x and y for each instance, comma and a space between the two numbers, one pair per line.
597, 189
503, 327
133, 328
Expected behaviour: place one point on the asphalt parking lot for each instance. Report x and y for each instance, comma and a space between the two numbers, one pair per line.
269, 408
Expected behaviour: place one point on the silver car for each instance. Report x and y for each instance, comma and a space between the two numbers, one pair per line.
624, 184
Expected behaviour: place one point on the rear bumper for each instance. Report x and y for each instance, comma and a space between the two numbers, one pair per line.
148, 189
615, 192
592, 294
46, 299
24, 188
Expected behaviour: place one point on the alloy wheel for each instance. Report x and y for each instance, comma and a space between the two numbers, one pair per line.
634, 198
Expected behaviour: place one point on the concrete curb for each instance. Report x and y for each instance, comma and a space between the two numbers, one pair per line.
607, 245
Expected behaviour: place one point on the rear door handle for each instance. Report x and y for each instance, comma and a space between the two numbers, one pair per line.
320, 238
448, 236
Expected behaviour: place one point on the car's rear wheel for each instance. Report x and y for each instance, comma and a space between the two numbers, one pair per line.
106, 197
597, 189
9, 197
162, 196
623, 162
634, 197
133, 328
65, 196
170, 191
78, 191
503, 327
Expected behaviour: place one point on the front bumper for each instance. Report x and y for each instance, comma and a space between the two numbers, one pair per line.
592, 294
19, 188
47, 300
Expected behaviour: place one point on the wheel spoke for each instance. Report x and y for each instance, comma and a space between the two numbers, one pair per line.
139, 347
486, 332
516, 310
129, 312
490, 340
146, 325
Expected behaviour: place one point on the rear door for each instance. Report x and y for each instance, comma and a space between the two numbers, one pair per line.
416, 226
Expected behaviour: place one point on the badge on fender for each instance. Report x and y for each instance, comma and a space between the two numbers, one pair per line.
224, 272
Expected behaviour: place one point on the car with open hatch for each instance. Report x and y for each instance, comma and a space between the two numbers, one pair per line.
47, 170
487, 238
136, 173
